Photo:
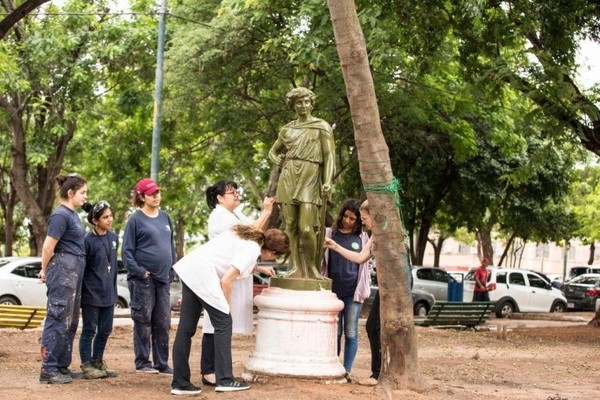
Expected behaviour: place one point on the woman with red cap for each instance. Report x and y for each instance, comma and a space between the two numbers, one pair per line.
149, 254
481, 276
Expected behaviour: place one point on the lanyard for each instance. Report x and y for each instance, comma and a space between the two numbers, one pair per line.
106, 246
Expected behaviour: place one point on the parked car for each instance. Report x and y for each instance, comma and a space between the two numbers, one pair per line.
259, 282
432, 280
421, 300
20, 285
574, 272
125, 297
518, 290
583, 292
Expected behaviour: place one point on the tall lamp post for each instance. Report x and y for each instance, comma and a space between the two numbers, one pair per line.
162, 21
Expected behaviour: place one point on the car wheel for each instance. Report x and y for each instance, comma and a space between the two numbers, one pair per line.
505, 309
558, 306
120, 303
9, 301
421, 310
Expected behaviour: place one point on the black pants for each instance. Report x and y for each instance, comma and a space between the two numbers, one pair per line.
481, 296
191, 307
374, 332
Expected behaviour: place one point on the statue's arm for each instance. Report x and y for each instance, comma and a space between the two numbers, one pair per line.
328, 151
277, 154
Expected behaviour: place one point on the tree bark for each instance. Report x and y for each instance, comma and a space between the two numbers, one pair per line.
398, 339
592, 253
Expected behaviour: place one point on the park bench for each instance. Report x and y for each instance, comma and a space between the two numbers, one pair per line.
454, 313
22, 317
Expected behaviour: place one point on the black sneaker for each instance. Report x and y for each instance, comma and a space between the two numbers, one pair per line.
233, 386
188, 390
55, 377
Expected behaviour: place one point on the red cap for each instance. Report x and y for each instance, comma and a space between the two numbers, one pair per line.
146, 186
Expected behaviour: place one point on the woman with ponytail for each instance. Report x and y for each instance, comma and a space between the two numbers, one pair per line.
207, 274
63, 262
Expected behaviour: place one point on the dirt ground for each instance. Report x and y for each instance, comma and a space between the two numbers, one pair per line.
538, 360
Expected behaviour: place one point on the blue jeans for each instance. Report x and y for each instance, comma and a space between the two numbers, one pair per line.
63, 280
348, 325
151, 315
97, 326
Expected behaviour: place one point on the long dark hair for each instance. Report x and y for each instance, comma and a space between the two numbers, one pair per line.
353, 206
218, 189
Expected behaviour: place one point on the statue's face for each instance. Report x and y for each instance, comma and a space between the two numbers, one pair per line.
303, 106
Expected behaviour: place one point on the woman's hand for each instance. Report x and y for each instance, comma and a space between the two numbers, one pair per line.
330, 243
267, 271
268, 203
42, 276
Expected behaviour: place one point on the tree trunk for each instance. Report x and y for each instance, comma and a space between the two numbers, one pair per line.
398, 338
507, 249
18, 14
437, 249
592, 253
8, 205
180, 237
484, 237
421, 242
596, 320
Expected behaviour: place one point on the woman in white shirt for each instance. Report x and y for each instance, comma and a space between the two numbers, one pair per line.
224, 200
207, 274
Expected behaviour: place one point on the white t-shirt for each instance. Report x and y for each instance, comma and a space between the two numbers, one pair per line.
202, 269
221, 220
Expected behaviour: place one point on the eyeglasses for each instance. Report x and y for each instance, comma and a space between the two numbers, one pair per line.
233, 192
100, 206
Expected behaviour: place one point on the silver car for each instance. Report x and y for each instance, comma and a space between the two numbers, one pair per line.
432, 280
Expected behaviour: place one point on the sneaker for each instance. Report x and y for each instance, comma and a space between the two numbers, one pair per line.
54, 377
166, 371
147, 370
91, 372
233, 386
67, 371
101, 365
189, 389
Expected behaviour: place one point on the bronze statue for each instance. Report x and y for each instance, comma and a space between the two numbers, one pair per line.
304, 151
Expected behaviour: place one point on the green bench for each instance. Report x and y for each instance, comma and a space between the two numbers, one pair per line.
22, 317
453, 313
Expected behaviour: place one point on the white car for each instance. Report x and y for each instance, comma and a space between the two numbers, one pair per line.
518, 290
20, 285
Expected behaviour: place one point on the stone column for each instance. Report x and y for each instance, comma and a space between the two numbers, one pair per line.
297, 334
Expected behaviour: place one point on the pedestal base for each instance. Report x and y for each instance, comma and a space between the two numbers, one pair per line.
297, 334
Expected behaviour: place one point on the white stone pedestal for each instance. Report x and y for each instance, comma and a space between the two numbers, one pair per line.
297, 334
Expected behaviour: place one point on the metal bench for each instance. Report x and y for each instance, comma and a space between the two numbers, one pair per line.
453, 313
22, 317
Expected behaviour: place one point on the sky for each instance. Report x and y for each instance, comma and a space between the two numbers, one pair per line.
588, 57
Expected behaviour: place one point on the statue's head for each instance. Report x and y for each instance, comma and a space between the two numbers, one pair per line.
298, 93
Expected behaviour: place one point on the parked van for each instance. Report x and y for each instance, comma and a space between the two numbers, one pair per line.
518, 290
